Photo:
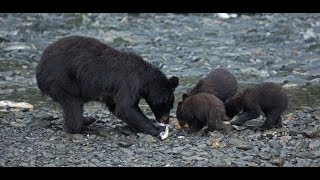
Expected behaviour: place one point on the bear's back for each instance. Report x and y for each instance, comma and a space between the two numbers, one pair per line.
269, 96
202, 102
219, 82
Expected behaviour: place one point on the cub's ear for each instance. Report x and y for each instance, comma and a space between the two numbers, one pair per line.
174, 81
184, 96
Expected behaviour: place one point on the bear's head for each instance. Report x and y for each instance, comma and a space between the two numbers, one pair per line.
161, 98
233, 105
182, 123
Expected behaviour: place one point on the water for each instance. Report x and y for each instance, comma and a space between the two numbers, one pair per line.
278, 47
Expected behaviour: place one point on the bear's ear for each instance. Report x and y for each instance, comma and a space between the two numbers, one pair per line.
174, 81
184, 96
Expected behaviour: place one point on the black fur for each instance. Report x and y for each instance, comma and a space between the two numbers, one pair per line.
200, 110
219, 82
75, 70
267, 99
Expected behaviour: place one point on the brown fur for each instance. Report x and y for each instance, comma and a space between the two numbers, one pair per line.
200, 110
219, 82
267, 99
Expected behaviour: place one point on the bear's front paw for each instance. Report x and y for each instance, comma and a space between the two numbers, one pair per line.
235, 122
265, 127
88, 121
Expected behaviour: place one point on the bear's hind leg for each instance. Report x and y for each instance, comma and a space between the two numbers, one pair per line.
246, 116
215, 122
273, 118
278, 123
86, 120
73, 115
195, 125
111, 105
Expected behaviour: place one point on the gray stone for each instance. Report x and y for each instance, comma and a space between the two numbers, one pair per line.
77, 136
278, 161
275, 144
275, 152
303, 162
150, 139
95, 161
240, 163
41, 143
264, 155
194, 157
125, 144
187, 153
239, 143
313, 132
316, 154
60, 146
17, 125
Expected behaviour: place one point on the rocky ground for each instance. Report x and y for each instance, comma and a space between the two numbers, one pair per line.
282, 48
36, 138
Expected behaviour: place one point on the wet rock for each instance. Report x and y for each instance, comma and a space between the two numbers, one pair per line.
275, 144
240, 163
275, 152
17, 125
41, 143
302, 145
195, 157
187, 153
40, 124
287, 80
314, 144
95, 161
278, 161
264, 155
303, 162
285, 139
305, 154
316, 115
148, 138
240, 144
60, 146
253, 164
316, 154
107, 134
313, 133
227, 161
125, 143
45, 117
77, 136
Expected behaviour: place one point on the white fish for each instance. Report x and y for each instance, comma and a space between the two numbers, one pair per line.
164, 135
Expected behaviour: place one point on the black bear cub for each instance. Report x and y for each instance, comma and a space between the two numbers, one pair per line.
200, 110
267, 99
219, 82
76, 69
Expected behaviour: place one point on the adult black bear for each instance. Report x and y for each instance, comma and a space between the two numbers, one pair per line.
267, 99
200, 110
76, 69
219, 82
